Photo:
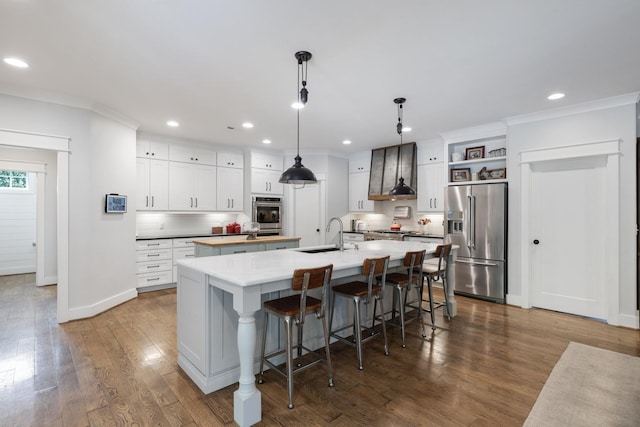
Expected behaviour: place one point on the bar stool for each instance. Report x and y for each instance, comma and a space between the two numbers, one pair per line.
375, 270
292, 309
401, 283
433, 269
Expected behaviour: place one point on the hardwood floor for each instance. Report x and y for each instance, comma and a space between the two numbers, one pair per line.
486, 367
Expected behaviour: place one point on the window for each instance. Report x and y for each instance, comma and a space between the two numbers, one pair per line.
14, 180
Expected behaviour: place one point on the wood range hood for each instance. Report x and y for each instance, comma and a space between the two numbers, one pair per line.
387, 165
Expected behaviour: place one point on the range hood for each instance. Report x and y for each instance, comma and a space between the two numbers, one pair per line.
386, 166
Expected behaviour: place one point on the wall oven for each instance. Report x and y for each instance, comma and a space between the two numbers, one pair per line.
267, 211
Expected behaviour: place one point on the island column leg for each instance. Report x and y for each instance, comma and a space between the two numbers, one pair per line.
451, 283
247, 404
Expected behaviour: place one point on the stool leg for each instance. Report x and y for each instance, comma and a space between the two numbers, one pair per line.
299, 346
420, 290
327, 350
430, 290
264, 345
333, 304
399, 290
384, 326
289, 329
357, 331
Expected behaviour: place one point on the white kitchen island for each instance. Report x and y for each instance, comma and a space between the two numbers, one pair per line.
219, 296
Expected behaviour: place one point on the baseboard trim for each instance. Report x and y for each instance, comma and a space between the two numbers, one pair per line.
630, 321
514, 300
48, 280
101, 306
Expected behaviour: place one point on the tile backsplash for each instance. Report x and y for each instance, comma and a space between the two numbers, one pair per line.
384, 219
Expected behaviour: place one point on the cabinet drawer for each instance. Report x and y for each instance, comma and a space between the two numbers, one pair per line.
353, 237
153, 255
181, 253
239, 249
281, 245
153, 279
186, 242
153, 266
153, 244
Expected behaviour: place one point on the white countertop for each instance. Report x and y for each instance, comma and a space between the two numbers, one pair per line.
249, 269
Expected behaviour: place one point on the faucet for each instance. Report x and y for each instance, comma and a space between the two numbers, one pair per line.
341, 243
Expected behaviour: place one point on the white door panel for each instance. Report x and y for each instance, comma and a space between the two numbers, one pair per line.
568, 212
307, 215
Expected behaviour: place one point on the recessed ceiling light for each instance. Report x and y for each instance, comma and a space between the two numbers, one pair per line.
555, 96
247, 125
16, 62
266, 141
406, 129
346, 142
297, 105
173, 123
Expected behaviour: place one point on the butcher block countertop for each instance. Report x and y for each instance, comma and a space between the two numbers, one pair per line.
240, 240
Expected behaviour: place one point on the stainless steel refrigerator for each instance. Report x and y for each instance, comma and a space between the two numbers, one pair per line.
476, 221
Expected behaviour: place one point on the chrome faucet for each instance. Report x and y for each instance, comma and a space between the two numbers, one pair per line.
341, 243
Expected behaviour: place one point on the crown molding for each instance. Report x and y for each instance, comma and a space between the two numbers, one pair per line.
489, 130
585, 107
116, 116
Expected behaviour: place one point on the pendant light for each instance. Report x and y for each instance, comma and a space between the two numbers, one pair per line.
298, 174
401, 189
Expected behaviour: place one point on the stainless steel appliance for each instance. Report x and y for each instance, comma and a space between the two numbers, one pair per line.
267, 211
476, 218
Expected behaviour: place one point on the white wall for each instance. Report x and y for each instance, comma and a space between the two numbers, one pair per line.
102, 159
604, 124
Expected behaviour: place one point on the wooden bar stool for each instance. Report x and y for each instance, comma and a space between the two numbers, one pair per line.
293, 309
401, 283
433, 269
375, 270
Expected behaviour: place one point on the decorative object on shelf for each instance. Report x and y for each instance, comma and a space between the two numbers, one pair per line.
252, 229
473, 153
484, 173
499, 152
500, 173
424, 221
401, 189
457, 156
298, 174
216, 230
459, 175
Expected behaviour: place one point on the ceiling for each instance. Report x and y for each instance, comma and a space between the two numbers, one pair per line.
211, 64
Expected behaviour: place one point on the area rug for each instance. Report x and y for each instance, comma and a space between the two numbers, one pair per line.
590, 386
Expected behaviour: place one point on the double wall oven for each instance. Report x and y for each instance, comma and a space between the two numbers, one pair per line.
267, 211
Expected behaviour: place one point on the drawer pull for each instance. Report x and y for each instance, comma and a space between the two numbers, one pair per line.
150, 255
190, 255
239, 252
153, 266
153, 244
153, 279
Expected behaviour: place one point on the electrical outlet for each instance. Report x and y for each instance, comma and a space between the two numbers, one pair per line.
162, 226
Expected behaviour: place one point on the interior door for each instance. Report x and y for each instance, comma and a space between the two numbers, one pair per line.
307, 215
567, 241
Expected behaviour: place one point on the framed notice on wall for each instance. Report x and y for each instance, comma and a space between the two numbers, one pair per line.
115, 203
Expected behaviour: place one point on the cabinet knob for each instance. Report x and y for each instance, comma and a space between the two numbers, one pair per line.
536, 241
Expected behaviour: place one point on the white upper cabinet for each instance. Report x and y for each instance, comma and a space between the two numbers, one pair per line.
152, 150
267, 161
265, 181
192, 187
190, 154
431, 187
152, 188
230, 160
431, 151
230, 189
359, 168
360, 162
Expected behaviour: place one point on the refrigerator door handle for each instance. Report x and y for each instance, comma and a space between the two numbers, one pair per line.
486, 264
468, 222
473, 222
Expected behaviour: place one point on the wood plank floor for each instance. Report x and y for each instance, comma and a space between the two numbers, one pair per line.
486, 367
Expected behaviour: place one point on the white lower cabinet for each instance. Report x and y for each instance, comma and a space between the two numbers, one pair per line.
153, 263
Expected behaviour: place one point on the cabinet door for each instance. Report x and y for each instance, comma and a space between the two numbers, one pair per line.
230, 160
158, 185
181, 153
431, 185
230, 189
181, 176
204, 157
265, 181
152, 150
204, 187
359, 193
142, 185
266, 161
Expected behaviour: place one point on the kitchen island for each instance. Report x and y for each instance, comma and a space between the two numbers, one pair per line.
219, 296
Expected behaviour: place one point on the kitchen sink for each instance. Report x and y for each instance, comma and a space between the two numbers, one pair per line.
317, 251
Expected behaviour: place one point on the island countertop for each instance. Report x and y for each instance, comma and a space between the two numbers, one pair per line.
242, 239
